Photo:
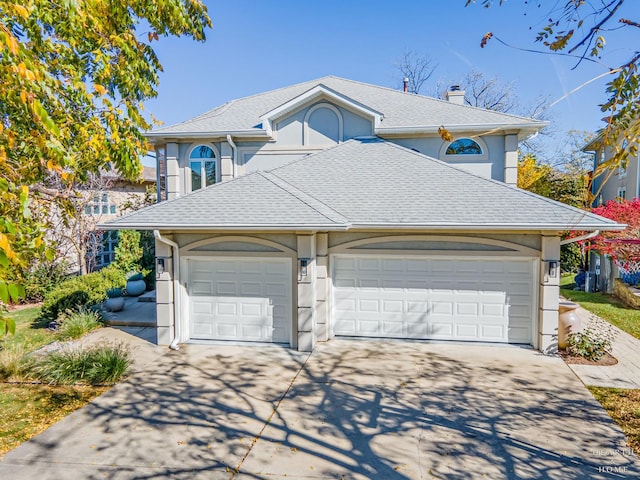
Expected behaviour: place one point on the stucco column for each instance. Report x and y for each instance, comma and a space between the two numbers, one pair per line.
549, 292
511, 159
322, 286
164, 296
306, 292
173, 171
226, 162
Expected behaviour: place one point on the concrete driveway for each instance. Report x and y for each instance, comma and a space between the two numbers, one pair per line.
352, 409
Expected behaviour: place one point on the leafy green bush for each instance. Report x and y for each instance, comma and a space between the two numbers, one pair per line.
74, 324
594, 341
84, 291
95, 365
115, 292
39, 278
128, 253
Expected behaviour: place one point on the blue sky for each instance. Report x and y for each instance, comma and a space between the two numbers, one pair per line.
257, 45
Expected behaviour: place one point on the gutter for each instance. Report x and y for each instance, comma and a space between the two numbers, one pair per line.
176, 292
482, 127
580, 238
234, 156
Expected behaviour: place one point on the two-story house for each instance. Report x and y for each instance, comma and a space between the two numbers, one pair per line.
336, 208
621, 183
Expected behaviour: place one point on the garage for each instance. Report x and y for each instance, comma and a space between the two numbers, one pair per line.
445, 298
242, 299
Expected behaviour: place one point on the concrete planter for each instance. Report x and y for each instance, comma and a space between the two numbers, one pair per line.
114, 304
135, 288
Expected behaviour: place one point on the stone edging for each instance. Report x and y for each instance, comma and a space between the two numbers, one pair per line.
629, 295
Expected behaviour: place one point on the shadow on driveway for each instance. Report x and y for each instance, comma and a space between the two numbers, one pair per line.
352, 409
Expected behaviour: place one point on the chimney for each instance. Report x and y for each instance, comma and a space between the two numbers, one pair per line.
406, 84
455, 95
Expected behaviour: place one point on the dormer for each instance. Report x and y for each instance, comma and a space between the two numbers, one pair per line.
319, 114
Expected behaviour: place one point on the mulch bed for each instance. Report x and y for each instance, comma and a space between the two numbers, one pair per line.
605, 361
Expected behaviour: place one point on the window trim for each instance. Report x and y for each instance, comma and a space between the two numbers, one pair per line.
464, 157
307, 116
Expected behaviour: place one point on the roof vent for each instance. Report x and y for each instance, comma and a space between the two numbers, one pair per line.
406, 84
455, 95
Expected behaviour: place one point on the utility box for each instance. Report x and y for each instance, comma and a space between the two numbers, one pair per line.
590, 282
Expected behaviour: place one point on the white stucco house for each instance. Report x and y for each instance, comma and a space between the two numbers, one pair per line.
334, 208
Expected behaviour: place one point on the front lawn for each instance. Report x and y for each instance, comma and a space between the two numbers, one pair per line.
27, 408
605, 306
624, 407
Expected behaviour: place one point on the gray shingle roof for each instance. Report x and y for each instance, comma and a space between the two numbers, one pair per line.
400, 110
363, 183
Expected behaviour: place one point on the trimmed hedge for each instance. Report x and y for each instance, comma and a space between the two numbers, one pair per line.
84, 291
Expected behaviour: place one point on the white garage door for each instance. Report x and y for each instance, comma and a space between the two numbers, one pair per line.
240, 299
427, 298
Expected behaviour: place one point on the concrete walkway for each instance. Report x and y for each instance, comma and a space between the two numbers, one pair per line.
625, 374
349, 410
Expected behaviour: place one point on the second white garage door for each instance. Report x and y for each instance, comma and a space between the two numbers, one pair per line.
445, 298
240, 299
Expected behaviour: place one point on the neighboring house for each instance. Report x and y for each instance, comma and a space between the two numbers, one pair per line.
622, 183
334, 208
102, 198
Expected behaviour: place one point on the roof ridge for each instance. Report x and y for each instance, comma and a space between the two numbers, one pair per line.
428, 97
309, 200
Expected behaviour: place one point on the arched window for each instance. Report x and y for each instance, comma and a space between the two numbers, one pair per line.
464, 146
204, 167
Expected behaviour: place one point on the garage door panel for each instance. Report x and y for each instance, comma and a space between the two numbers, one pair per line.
245, 299
466, 299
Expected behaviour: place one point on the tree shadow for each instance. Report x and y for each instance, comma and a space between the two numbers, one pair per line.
351, 409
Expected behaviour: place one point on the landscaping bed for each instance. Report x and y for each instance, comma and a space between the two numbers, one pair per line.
45, 376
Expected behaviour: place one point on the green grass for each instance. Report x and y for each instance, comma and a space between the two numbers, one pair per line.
608, 307
29, 334
624, 407
28, 410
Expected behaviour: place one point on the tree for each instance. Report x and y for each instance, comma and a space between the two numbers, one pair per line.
73, 78
623, 246
417, 69
568, 186
577, 29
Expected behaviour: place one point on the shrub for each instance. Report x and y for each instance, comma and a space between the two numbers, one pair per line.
135, 277
115, 292
128, 253
594, 341
13, 362
95, 365
76, 324
39, 278
84, 291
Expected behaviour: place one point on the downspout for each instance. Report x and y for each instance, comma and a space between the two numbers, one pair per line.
234, 155
176, 292
580, 238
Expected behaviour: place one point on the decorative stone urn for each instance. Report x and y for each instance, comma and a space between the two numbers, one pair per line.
115, 300
568, 322
114, 304
135, 285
